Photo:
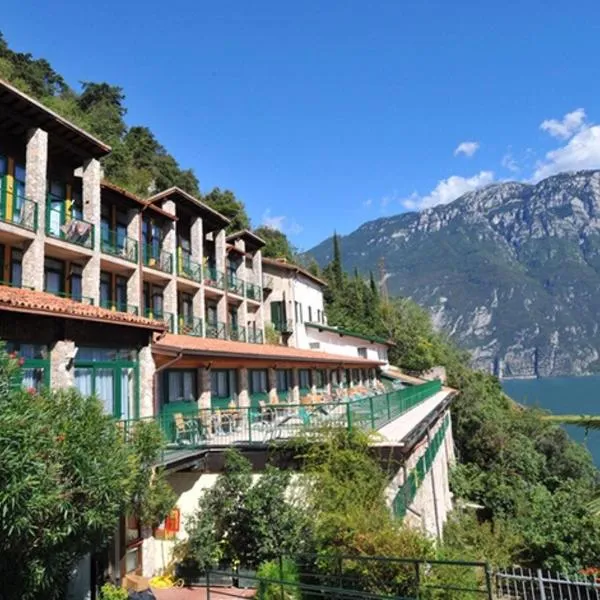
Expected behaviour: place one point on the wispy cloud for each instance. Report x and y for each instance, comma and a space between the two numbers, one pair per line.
508, 162
570, 124
368, 203
448, 190
466, 148
281, 223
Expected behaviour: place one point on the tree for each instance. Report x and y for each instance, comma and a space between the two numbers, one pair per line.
66, 476
228, 205
277, 244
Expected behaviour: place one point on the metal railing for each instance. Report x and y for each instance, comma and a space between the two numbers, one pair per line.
189, 269
190, 326
20, 211
253, 292
161, 260
215, 330
200, 428
284, 326
159, 315
214, 278
408, 490
69, 229
255, 336
70, 296
121, 247
235, 285
237, 333
119, 307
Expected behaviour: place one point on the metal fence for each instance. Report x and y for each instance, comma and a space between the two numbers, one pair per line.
516, 583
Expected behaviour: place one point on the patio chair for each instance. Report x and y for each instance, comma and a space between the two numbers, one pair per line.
186, 430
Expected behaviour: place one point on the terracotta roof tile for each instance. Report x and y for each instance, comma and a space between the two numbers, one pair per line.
24, 300
198, 345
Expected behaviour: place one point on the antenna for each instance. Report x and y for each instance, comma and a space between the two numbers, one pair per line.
382, 279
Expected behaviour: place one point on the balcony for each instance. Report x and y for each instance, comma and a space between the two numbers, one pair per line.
71, 296
157, 259
159, 315
120, 246
237, 333
253, 292
255, 336
284, 326
69, 229
190, 326
189, 269
215, 330
20, 211
214, 278
235, 285
119, 307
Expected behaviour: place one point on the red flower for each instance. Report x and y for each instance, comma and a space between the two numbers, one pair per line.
21, 361
31, 390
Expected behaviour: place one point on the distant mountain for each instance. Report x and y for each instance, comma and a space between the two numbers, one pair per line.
511, 271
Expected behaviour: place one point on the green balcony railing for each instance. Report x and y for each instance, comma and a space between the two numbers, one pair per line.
214, 278
283, 326
237, 333
120, 307
189, 269
157, 259
159, 315
69, 229
215, 330
121, 247
190, 326
235, 285
20, 211
74, 297
264, 422
253, 292
255, 336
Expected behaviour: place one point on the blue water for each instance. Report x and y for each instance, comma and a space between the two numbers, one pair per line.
562, 395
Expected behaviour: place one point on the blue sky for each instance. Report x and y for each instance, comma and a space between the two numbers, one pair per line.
325, 114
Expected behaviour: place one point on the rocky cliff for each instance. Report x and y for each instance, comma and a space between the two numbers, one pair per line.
511, 271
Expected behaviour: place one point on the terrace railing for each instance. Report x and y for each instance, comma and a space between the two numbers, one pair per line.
120, 307
253, 292
235, 285
189, 269
284, 326
216, 330
255, 336
266, 423
157, 259
121, 247
74, 297
69, 229
237, 333
214, 278
159, 315
190, 326
20, 211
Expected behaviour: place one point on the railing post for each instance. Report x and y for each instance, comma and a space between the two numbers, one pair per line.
418, 579
371, 411
540, 579
488, 581
349, 416
249, 419
208, 584
389, 407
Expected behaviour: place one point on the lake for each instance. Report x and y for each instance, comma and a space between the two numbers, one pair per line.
562, 395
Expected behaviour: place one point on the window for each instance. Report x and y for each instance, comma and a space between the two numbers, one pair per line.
76, 282
382, 354
318, 315
211, 314
186, 311
220, 383
362, 352
180, 385
278, 314
258, 380
310, 314
54, 276
16, 267
319, 376
35, 372
314, 345
284, 379
121, 293
304, 376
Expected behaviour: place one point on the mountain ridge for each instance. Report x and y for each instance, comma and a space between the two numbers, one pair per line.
511, 271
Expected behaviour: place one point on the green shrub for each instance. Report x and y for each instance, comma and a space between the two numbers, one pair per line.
112, 592
285, 572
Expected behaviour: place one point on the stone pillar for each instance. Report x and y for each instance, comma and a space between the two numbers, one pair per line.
134, 290
36, 174
62, 373
205, 388
313, 380
257, 271
197, 253
272, 384
220, 266
328, 381
92, 175
295, 399
244, 395
148, 406
169, 246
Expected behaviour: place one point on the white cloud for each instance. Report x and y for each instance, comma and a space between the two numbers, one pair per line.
466, 148
582, 151
448, 190
281, 223
509, 162
368, 202
571, 123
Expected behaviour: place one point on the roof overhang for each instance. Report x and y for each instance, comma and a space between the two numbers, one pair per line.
347, 333
252, 241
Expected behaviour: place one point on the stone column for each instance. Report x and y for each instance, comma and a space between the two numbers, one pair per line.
244, 395
197, 252
313, 379
220, 255
92, 175
169, 246
134, 289
36, 174
62, 373
295, 399
328, 381
272, 384
257, 271
205, 388
148, 406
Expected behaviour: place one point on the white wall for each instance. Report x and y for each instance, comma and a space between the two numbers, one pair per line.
308, 294
345, 345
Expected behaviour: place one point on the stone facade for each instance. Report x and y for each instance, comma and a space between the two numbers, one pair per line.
62, 374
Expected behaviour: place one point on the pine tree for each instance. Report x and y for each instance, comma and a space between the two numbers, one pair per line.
336, 263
